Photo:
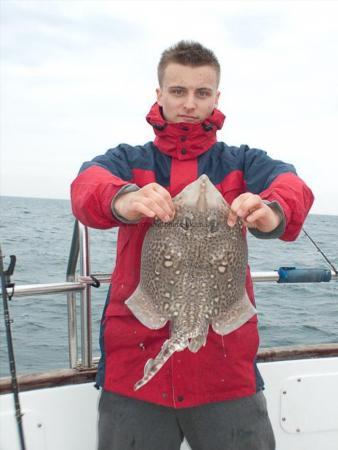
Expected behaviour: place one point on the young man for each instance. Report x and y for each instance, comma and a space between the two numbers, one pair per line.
214, 397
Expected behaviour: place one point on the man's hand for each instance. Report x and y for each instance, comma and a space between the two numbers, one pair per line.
254, 213
152, 200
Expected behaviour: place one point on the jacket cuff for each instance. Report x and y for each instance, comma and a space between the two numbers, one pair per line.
279, 230
124, 190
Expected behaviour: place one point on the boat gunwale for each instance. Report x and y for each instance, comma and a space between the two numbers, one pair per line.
64, 377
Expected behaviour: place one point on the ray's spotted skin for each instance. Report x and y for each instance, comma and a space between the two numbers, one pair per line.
192, 274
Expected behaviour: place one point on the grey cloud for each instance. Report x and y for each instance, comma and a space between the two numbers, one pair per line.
251, 30
35, 32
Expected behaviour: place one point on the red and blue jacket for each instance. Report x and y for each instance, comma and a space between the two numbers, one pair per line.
226, 367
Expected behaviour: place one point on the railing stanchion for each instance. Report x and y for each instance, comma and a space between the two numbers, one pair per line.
86, 321
71, 298
72, 329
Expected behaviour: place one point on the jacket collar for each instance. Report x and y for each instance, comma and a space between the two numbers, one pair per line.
184, 140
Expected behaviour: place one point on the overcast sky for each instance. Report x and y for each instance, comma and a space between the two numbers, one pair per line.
78, 77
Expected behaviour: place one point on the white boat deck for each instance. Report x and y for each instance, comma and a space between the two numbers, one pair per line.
302, 401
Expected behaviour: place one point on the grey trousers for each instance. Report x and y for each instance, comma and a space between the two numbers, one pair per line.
129, 424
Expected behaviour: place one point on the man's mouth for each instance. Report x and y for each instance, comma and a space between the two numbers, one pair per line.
188, 118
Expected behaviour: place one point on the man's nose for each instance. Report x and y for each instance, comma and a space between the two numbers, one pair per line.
190, 102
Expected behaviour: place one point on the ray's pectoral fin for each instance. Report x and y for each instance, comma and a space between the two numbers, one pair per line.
152, 366
231, 319
142, 307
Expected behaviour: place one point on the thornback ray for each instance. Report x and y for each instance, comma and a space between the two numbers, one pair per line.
193, 272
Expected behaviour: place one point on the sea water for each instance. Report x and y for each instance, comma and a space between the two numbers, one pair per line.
39, 233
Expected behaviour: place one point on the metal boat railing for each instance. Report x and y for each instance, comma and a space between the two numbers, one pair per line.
82, 284
71, 297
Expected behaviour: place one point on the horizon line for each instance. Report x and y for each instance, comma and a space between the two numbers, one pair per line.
68, 200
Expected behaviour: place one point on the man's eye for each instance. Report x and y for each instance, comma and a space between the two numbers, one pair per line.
203, 93
177, 91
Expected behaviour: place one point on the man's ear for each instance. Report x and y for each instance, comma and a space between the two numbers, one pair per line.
217, 98
159, 95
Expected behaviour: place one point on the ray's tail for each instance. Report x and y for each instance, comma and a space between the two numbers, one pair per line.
152, 366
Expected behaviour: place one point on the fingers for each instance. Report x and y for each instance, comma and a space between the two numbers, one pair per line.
155, 201
150, 201
149, 207
232, 218
254, 213
162, 201
248, 207
255, 216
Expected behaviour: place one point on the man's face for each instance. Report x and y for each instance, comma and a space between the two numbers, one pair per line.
188, 94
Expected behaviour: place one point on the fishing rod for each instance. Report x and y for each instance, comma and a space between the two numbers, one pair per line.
6, 283
294, 275
321, 252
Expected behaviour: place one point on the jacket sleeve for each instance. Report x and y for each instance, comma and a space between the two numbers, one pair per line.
97, 183
276, 181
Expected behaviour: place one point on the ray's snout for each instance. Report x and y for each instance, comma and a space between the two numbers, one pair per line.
207, 196
201, 194
202, 203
